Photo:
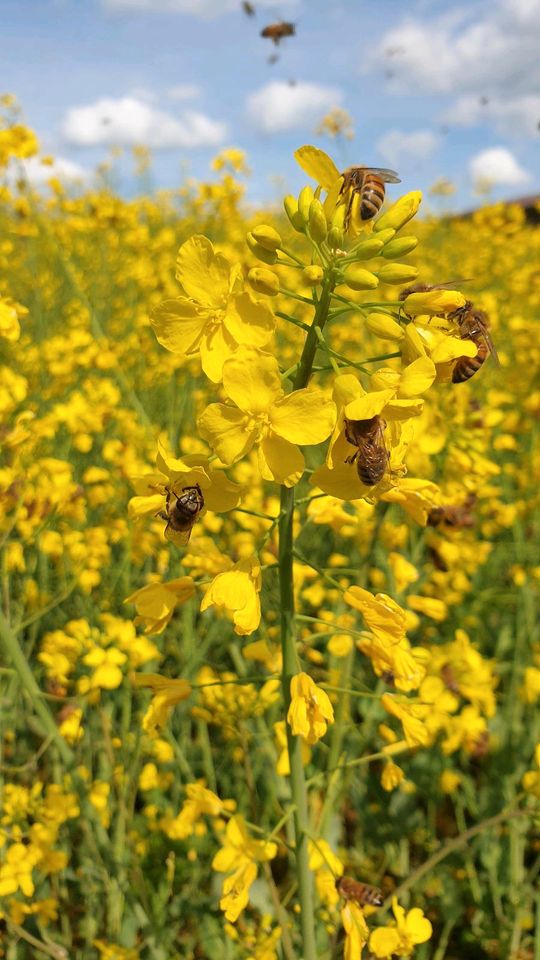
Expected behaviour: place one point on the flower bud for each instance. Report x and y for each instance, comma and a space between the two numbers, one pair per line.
360, 279
338, 217
312, 274
267, 256
433, 302
384, 326
336, 238
290, 204
368, 248
386, 235
399, 247
397, 273
304, 202
400, 212
317, 222
264, 281
267, 237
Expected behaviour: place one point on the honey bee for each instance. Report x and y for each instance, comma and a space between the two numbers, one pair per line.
473, 325
453, 515
181, 513
248, 8
368, 184
361, 893
449, 678
371, 456
276, 32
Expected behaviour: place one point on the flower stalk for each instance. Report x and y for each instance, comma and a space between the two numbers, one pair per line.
288, 645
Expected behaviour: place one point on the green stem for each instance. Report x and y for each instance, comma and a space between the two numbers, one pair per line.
17, 657
290, 661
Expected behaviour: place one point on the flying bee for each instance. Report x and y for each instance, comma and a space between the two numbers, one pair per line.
361, 893
366, 183
473, 325
449, 678
453, 515
181, 512
248, 8
371, 456
276, 32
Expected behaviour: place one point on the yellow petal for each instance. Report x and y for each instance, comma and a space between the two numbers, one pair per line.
249, 321
280, 461
203, 274
177, 325
142, 506
403, 409
317, 164
417, 377
384, 941
216, 347
346, 389
305, 416
225, 430
450, 348
251, 379
368, 406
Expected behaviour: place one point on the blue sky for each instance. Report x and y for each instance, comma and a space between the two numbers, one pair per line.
435, 89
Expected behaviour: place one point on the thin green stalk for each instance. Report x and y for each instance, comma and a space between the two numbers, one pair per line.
290, 661
28, 681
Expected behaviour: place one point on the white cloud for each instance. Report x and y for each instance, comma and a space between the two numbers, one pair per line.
205, 9
278, 106
39, 173
485, 48
397, 146
128, 121
496, 167
184, 91
517, 116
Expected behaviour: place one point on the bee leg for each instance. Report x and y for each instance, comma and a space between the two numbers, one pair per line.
162, 515
353, 457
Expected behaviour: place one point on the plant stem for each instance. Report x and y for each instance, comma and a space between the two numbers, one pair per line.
27, 679
290, 661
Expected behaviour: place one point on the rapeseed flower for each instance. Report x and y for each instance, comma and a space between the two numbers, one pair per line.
263, 416
237, 593
166, 694
240, 854
411, 929
216, 314
310, 710
356, 930
156, 603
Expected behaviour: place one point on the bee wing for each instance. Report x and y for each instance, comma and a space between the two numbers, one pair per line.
389, 176
178, 537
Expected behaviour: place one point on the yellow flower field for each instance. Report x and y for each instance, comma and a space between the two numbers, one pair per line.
269, 539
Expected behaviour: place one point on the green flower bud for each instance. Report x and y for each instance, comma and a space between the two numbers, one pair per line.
267, 256
317, 222
384, 326
291, 209
386, 235
264, 281
400, 212
368, 248
312, 274
397, 273
360, 279
267, 237
399, 247
336, 238
305, 198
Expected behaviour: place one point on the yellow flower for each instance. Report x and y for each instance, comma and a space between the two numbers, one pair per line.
166, 694
310, 710
237, 593
411, 928
107, 674
157, 602
199, 801
216, 315
265, 417
391, 776
429, 606
10, 312
238, 845
433, 303
411, 716
16, 871
356, 930
236, 886
220, 494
